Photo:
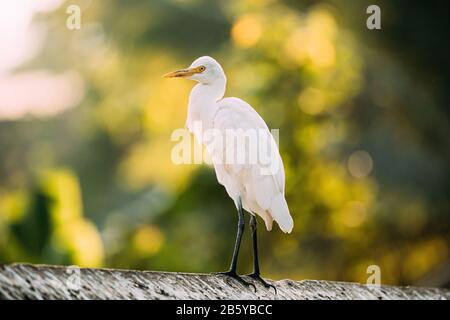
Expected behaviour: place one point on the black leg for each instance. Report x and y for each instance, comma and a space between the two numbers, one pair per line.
240, 232
256, 273
255, 245
232, 272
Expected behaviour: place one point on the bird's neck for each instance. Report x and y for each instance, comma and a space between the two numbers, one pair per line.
208, 91
203, 103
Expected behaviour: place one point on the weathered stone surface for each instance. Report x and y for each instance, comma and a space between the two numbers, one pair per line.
23, 281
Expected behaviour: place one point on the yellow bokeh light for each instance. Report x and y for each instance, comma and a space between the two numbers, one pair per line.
425, 256
84, 243
354, 214
247, 31
312, 101
313, 40
321, 21
166, 107
295, 47
12, 206
148, 240
333, 191
321, 51
64, 187
311, 138
73, 233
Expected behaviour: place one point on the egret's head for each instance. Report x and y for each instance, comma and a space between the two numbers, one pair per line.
204, 70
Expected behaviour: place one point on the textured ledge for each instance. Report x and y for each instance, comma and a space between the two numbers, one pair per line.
24, 281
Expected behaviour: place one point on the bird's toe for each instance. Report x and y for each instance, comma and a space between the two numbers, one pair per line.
258, 278
236, 277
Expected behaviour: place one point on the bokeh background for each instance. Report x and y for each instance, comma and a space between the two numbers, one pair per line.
86, 176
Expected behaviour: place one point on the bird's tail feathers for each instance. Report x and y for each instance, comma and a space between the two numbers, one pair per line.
280, 213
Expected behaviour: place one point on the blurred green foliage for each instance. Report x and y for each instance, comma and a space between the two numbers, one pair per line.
363, 124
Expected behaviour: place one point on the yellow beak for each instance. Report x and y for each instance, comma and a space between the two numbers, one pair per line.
183, 72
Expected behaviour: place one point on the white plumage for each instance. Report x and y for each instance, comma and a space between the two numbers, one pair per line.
261, 191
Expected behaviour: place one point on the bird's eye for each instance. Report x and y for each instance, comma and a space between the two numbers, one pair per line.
201, 68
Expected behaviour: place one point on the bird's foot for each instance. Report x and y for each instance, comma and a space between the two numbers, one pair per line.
257, 277
234, 275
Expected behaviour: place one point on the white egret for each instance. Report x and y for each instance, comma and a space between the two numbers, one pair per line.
251, 188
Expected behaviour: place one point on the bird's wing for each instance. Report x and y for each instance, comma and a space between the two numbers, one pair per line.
263, 177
